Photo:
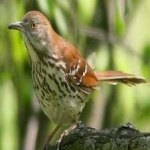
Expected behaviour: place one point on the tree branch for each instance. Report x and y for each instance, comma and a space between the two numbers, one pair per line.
124, 137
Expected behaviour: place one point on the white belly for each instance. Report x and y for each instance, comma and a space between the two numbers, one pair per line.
60, 102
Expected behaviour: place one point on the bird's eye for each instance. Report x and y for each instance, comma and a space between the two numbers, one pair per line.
33, 25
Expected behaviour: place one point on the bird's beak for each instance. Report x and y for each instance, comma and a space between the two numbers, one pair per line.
16, 26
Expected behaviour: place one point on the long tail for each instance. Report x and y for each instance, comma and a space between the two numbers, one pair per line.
114, 77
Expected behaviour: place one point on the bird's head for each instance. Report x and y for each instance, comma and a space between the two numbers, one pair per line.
37, 31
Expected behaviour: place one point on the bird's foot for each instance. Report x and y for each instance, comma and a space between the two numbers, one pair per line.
65, 133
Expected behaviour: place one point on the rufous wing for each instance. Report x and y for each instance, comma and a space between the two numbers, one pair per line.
78, 71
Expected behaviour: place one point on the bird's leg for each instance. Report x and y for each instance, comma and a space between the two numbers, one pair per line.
50, 136
65, 133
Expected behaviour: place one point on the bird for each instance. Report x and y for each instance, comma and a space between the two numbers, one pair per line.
62, 78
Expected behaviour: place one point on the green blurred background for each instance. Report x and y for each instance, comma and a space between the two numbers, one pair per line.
117, 36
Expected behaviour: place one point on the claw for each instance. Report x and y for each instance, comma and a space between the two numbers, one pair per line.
65, 133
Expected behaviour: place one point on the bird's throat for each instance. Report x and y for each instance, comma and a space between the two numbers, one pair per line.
31, 49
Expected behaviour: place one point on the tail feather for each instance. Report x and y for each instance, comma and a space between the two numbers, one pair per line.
115, 77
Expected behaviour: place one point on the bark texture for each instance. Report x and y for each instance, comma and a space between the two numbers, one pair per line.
124, 137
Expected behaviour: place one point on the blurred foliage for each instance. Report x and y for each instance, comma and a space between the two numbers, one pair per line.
116, 31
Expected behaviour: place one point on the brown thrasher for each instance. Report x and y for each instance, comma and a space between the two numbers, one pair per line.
61, 76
